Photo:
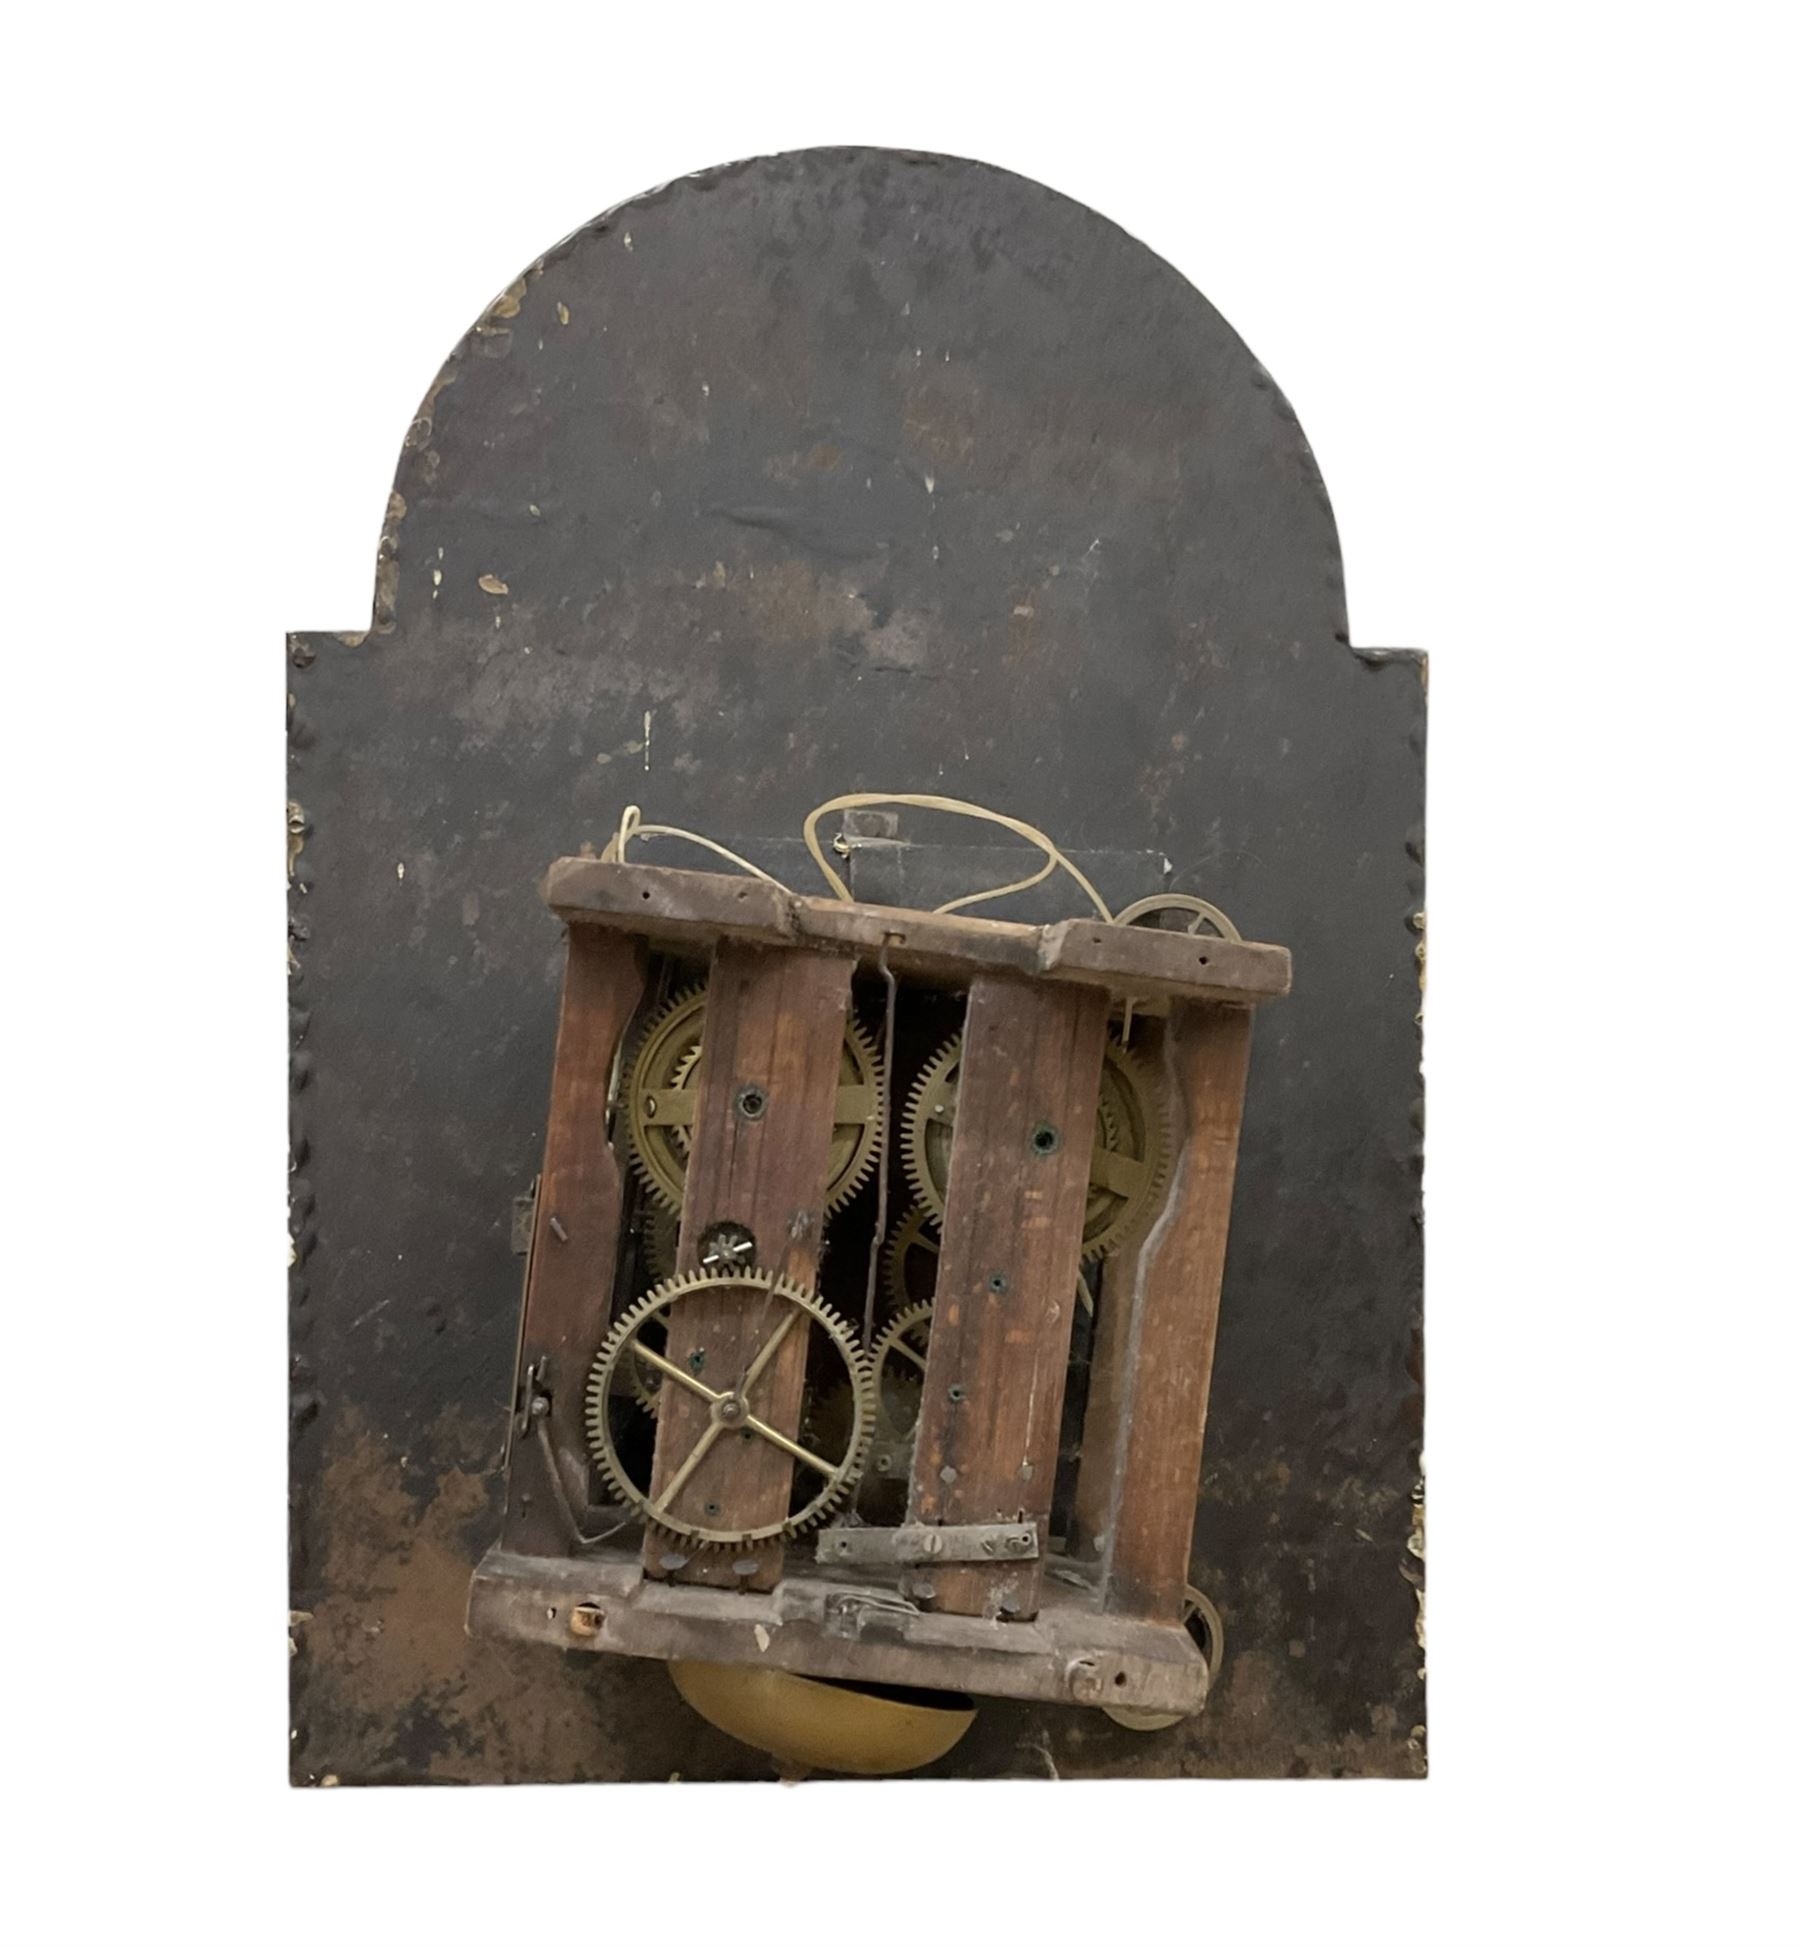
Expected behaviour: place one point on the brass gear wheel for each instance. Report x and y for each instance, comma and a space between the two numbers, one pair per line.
909, 1258
658, 1236
1130, 1166
681, 1080
659, 1103
1202, 1622
899, 1369
786, 1304
658, 1239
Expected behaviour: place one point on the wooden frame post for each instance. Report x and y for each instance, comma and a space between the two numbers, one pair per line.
987, 1435
991, 1413
1152, 1370
772, 1043
575, 1236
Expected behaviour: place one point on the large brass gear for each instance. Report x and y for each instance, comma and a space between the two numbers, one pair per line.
787, 1304
659, 1103
1130, 1162
658, 1236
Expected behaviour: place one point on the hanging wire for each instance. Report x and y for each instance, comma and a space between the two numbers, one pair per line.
927, 801
1179, 902
631, 827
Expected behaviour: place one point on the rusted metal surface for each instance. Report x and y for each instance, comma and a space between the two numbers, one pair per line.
835, 471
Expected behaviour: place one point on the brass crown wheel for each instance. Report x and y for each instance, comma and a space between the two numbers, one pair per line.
1130, 1161
638, 1339
660, 1098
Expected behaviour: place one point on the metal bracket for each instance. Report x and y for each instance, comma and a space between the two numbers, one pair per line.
531, 1401
524, 1237
872, 1614
983, 1541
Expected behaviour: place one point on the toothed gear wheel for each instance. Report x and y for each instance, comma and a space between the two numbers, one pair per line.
909, 1258
657, 1110
926, 1157
660, 1235
829, 1415
660, 1098
1130, 1159
781, 1305
683, 1079
1129, 1171
899, 1363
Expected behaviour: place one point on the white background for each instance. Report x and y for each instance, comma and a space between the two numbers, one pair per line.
1526, 275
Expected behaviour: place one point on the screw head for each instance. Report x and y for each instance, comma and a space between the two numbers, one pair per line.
1082, 1675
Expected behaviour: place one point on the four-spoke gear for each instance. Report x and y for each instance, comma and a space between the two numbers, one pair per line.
778, 1308
661, 1092
1129, 1163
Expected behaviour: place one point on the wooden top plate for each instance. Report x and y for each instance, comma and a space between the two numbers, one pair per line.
692, 911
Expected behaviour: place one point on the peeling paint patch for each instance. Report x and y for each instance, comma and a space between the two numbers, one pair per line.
507, 304
399, 1538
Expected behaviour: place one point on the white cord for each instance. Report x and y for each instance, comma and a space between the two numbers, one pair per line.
631, 826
